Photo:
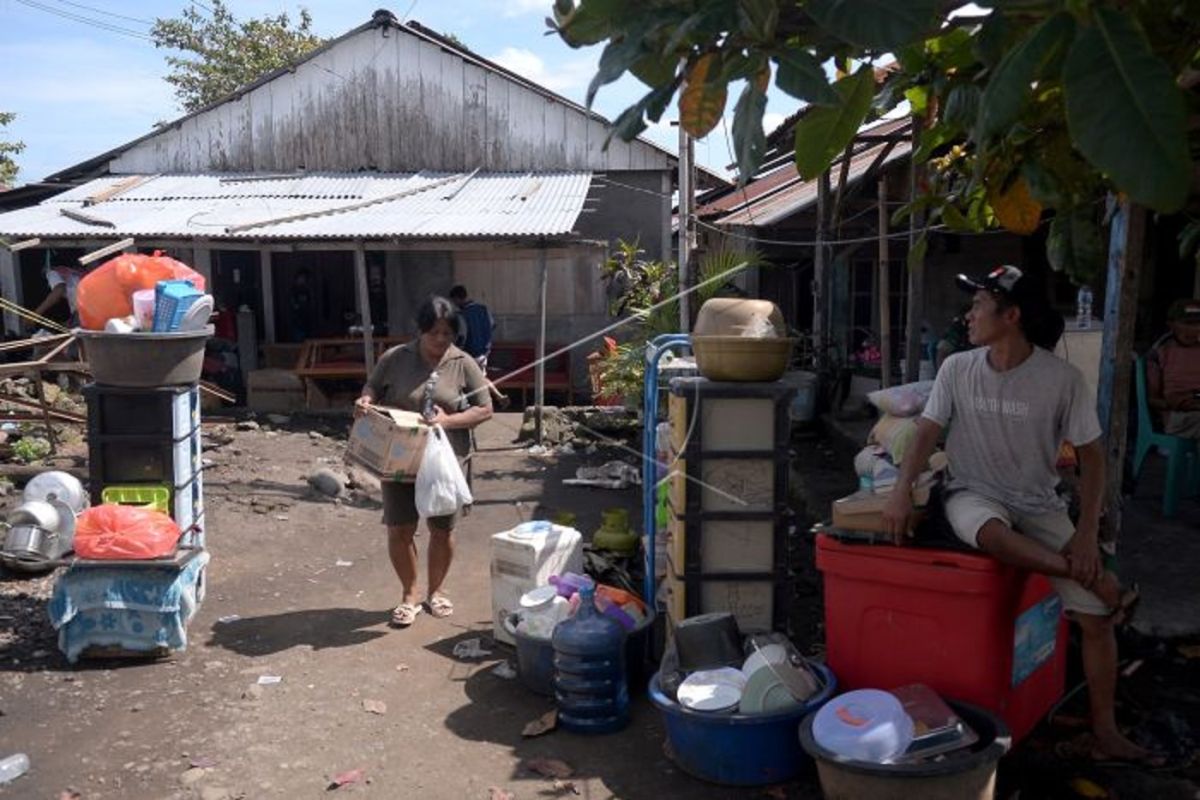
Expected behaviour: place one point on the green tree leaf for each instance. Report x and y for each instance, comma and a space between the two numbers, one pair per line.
825, 131
758, 18
8, 165
590, 22
1125, 112
882, 24
749, 139
1075, 244
801, 75
962, 106
1009, 86
618, 56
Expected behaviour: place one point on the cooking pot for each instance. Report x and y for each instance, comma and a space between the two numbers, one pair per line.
30, 548
57, 485
38, 531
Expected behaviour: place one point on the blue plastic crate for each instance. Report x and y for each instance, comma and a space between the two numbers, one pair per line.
172, 299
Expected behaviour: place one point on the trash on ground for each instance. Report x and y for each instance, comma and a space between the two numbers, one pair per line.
543, 724
537, 450
267, 680
496, 793
612, 475
13, 767
374, 707
402, 667
549, 767
346, 778
504, 670
343, 563
225, 620
203, 762
566, 786
469, 649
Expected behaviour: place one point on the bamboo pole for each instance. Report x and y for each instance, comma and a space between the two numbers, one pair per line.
885, 290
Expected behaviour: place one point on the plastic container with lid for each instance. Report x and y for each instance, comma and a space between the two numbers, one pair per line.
589, 671
864, 725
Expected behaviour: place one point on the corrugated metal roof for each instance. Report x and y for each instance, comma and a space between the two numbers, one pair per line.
780, 193
313, 206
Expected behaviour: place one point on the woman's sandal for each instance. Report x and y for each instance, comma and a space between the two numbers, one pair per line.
439, 606
405, 614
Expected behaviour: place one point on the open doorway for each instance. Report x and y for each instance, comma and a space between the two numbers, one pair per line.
314, 295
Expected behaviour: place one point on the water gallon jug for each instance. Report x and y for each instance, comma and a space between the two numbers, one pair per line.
589, 670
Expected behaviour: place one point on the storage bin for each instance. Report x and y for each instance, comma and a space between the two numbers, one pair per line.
170, 411
960, 622
729, 484
142, 459
757, 601
739, 749
731, 416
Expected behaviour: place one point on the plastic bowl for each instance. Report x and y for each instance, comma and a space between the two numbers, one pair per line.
742, 358
145, 359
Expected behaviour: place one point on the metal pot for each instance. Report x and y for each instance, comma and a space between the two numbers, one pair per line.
40, 529
30, 548
57, 485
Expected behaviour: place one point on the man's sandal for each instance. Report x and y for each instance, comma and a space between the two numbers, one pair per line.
405, 614
439, 606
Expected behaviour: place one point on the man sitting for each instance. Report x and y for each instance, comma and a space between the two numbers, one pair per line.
1173, 372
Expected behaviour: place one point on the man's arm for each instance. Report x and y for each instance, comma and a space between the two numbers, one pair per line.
1083, 550
52, 299
899, 507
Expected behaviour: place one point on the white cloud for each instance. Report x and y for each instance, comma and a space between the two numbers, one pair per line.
565, 77
515, 8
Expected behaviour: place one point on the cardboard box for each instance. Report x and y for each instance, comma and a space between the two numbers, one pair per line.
863, 511
389, 442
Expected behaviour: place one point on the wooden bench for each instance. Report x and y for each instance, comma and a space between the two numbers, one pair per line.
508, 357
329, 366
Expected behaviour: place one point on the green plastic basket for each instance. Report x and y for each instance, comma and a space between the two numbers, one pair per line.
157, 498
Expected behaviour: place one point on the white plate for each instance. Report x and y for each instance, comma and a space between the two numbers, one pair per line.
712, 689
196, 317
539, 596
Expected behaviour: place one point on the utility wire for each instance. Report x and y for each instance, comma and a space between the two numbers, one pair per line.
106, 13
85, 20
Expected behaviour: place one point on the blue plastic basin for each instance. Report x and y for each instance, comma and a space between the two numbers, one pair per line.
739, 749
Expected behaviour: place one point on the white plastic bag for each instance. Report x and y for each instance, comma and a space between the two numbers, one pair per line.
441, 488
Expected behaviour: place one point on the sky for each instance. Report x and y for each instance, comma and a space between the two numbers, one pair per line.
80, 88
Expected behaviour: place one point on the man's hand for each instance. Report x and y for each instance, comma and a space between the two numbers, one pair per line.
440, 417
1083, 555
361, 405
897, 513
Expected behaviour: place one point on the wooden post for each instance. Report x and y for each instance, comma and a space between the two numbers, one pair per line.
364, 306
916, 272
1126, 240
885, 290
267, 286
539, 379
685, 208
9, 289
820, 279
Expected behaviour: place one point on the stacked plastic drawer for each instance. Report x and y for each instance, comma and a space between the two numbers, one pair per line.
149, 439
730, 517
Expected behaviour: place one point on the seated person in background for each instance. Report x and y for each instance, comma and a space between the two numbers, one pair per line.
1173, 371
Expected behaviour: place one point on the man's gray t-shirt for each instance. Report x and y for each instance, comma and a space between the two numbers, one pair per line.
1005, 428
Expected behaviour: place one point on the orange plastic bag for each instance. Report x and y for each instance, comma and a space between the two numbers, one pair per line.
107, 291
113, 531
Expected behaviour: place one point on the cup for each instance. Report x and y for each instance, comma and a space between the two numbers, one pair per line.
143, 308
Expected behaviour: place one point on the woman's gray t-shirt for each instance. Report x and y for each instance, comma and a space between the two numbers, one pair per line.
1005, 428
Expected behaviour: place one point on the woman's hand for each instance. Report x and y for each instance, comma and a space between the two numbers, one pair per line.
440, 417
361, 405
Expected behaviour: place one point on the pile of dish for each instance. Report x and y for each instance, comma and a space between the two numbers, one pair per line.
41, 530
710, 668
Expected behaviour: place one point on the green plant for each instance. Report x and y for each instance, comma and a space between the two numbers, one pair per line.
636, 286
30, 449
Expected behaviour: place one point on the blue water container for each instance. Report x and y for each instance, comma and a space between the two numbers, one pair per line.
589, 670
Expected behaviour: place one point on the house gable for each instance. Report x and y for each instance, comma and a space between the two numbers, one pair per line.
393, 98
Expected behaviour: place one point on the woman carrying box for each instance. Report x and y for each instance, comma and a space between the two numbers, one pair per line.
433, 377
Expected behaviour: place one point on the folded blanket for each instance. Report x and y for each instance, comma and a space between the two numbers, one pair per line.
136, 608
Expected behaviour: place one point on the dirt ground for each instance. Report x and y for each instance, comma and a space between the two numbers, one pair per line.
300, 588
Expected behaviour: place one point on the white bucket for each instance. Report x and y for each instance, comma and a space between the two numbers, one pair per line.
804, 404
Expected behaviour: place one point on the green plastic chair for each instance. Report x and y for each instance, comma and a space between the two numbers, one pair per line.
1183, 458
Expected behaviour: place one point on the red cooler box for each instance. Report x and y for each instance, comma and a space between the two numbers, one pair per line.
964, 624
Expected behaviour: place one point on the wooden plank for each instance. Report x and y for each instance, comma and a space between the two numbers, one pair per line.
407, 144
539, 391
267, 287
497, 122
449, 111
575, 142
1125, 256
474, 115
885, 289
8, 288
364, 306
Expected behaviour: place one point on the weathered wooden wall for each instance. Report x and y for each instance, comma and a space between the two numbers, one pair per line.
400, 102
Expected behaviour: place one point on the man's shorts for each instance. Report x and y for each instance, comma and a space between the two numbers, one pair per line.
968, 512
400, 507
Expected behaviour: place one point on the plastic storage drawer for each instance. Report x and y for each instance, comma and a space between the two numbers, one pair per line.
171, 411
960, 622
142, 459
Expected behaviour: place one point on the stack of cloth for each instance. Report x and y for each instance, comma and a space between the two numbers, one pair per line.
878, 464
134, 608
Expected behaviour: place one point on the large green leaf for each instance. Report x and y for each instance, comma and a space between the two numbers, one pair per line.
1125, 112
618, 56
962, 106
1009, 86
801, 75
882, 24
591, 22
825, 131
1075, 244
749, 139
757, 19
